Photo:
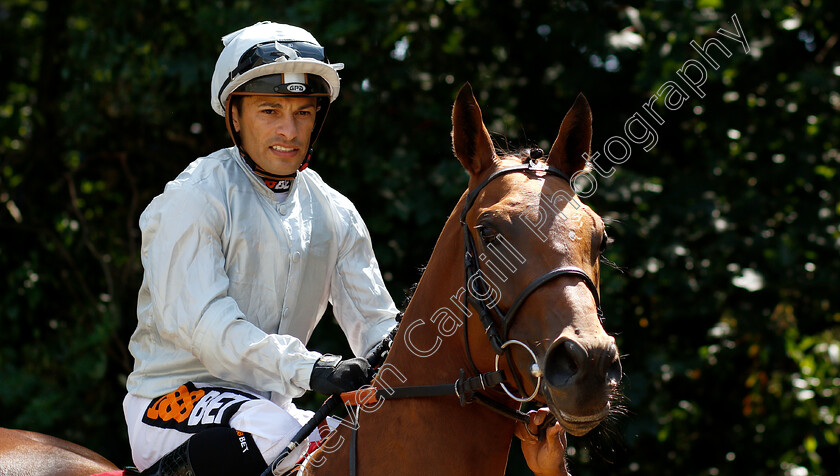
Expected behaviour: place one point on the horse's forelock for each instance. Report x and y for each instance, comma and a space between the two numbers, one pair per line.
522, 155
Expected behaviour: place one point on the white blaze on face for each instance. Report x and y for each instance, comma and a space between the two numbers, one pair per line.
574, 222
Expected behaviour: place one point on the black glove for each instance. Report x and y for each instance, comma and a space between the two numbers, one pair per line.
332, 375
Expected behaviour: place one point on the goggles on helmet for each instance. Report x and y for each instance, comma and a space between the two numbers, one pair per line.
273, 52
286, 84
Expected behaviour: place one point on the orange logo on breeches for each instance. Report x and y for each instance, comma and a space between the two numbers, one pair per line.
176, 405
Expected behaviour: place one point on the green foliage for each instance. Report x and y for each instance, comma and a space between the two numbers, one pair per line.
726, 232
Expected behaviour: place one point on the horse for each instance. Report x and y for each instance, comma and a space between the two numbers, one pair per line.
35, 454
515, 271
518, 240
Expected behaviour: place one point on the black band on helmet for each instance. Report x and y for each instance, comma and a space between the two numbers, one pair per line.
276, 84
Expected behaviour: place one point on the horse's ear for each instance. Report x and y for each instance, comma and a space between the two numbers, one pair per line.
470, 139
574, 138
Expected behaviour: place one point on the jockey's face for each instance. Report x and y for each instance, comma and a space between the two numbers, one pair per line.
275, 130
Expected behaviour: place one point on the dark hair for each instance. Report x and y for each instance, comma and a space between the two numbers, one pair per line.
236, 101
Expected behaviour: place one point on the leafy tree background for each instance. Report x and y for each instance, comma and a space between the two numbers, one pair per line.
725, 302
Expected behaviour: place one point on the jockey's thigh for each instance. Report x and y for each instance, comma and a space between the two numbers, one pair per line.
271, 426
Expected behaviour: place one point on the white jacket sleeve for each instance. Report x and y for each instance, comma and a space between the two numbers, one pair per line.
184, 263
363, 307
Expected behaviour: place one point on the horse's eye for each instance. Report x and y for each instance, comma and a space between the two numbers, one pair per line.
604, 241
488, 235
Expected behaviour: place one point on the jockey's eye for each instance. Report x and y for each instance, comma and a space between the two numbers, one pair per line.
604, 242
488, 235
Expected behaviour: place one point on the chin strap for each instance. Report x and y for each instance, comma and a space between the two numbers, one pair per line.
264, 173
305, 162
277, 183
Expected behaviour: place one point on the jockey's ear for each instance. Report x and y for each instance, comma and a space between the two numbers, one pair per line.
574, 139
470, 139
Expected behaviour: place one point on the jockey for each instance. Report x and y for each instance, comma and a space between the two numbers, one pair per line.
241, 254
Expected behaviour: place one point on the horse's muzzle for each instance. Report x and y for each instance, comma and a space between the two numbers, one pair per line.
578, 382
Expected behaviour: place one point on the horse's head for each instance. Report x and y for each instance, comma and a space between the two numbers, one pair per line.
534, 249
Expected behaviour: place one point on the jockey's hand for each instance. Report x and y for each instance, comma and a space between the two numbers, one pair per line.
545, 453
332, 375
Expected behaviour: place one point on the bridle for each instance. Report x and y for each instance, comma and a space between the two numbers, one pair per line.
496, 322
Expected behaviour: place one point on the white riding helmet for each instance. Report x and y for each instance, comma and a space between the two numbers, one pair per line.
268, 48
279, 60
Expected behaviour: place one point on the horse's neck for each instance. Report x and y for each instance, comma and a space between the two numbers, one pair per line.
429, 435
428, 347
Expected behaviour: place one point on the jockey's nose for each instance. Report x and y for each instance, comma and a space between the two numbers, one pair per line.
286, 128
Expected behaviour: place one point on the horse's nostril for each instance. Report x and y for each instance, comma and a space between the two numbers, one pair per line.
563, 361
614, 372
611, 365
